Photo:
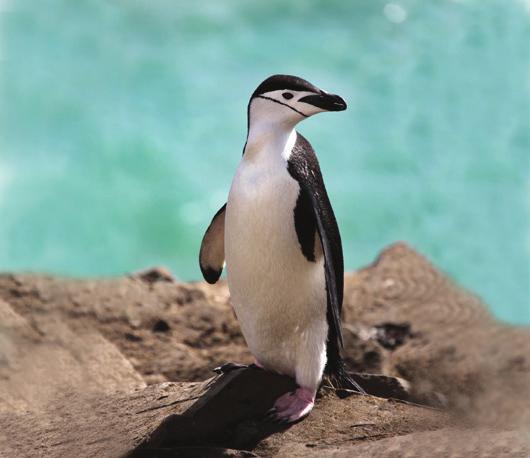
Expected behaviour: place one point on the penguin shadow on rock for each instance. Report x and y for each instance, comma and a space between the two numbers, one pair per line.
233, 412
230, 413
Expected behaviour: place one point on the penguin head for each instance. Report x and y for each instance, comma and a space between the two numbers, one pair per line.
286, 99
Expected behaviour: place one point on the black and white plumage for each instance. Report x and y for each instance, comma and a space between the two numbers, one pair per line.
281, 243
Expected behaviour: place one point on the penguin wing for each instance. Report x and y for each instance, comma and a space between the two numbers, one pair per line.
315, 213
212, 254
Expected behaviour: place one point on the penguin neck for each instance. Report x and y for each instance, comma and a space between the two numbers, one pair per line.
265, 137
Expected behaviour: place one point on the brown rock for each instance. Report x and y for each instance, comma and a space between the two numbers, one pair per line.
42, 359
75, 356
226, 412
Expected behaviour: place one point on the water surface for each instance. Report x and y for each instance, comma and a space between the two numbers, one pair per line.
121, 124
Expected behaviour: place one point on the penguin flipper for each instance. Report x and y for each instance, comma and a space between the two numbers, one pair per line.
304, 168
212, 254
316, 214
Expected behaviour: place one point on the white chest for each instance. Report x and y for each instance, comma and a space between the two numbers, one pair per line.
259, 226
278, 295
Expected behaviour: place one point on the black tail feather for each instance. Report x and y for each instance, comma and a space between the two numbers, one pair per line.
342, 381
336, 371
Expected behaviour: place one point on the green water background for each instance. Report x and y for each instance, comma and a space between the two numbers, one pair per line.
122, 122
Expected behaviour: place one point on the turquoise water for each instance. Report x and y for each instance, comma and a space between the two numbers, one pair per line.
121, 124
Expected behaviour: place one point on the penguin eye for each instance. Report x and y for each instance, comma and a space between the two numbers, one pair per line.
287, 95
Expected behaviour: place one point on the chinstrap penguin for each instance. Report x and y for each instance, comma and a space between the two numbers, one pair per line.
279, 238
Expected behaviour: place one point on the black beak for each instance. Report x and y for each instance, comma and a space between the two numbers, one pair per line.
328, 102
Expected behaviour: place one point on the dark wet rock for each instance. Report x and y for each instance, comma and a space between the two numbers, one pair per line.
133, 337
383, 386
392, 335
161, 326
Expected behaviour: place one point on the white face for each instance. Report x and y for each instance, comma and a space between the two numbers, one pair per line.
285, 107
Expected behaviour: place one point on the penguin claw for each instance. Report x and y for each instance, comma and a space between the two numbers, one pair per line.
270, 415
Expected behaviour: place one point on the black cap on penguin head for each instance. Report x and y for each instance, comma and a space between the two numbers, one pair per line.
285, 82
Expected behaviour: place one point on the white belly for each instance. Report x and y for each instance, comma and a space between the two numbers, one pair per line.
278, 295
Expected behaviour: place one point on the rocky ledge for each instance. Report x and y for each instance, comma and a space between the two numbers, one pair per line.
123, 367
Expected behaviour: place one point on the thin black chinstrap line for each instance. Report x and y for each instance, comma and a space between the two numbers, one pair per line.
284, 104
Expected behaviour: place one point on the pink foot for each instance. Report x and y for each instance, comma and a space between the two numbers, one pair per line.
257, 363
293, 406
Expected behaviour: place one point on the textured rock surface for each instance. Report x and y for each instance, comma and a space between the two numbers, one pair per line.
123, 366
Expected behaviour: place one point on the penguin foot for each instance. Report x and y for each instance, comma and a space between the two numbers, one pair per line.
293, 406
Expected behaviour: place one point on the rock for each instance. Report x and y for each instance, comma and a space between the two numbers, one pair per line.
392, 335
76, 355
42, 359
383, 386
133, 337
154, 274
225, 413
457, 352
161, 326
443, 443
87, 424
